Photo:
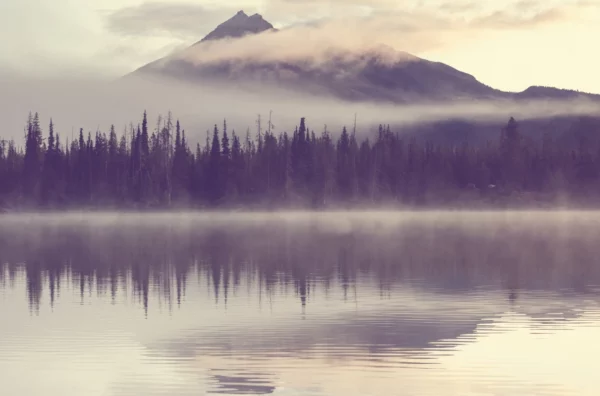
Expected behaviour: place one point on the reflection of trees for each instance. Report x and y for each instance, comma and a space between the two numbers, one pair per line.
160, 258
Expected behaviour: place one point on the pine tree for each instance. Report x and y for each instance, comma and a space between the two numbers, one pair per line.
32, 164
226, 152
237, 165
214, 178
145, 140
180, 165
50, 171
225, 164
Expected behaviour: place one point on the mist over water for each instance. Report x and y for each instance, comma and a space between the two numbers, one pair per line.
300, 303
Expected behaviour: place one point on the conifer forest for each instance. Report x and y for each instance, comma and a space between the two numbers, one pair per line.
303, 168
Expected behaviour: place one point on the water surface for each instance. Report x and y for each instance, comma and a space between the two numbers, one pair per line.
427, 303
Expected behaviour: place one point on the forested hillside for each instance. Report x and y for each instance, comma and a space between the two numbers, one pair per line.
303, 168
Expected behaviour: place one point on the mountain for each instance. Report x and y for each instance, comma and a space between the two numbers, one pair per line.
238, 26
378, 75
381, 74
366, 76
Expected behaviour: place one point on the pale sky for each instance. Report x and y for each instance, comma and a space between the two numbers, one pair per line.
508, 44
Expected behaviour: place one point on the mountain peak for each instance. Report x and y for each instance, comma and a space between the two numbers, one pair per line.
238, 26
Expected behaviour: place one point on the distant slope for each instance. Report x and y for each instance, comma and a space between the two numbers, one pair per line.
358, 79
537, 92
569, 132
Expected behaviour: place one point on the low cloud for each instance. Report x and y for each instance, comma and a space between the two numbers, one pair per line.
322, 28
189, 20
92, 105
388, 34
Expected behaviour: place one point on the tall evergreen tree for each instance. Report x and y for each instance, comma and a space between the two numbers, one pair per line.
32, 161
214, 185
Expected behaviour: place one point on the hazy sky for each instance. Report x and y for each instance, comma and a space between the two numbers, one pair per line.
508, 44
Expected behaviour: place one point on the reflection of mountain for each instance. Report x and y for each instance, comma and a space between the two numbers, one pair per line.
443, 256
400, 331
411, 328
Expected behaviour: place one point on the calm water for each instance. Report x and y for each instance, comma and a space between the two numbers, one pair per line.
300, 304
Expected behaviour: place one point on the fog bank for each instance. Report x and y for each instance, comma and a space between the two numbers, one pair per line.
96, 104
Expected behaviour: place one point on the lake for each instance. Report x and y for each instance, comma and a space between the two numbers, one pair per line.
371, 303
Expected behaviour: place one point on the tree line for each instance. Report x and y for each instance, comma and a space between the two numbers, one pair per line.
159, 169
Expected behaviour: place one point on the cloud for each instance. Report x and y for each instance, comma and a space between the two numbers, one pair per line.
389, 34
504, 20
311, 44
130, 51
511, 13
321, 27
191, 21
161, 18
93, 104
